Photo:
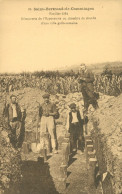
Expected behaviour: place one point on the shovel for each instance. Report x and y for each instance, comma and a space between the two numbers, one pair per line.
36, 147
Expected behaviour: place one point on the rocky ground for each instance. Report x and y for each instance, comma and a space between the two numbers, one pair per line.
105, 122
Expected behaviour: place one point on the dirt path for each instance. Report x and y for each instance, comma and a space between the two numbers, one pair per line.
46, 178
77, 178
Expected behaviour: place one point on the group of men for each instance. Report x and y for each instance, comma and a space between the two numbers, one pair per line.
48, 112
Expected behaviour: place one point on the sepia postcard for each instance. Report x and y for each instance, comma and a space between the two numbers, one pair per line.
60, 96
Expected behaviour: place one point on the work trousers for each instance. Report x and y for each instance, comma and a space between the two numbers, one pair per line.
47, 124
76, 136
89, 96
15, 133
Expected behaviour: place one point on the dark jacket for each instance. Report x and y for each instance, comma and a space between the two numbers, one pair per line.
88, 76
47, 109
78, 116
8, 112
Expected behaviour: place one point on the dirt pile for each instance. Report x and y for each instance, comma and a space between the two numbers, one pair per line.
10, 165
107, 134
104, 125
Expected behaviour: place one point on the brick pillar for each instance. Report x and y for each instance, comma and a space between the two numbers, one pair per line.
89, 148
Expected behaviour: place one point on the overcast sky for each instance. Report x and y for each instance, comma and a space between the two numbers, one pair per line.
30, 46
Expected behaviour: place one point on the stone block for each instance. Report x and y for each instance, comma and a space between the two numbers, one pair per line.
89, 148
92, 154
91, 172
25, 148
67, 135
89, 142
30, 136
87, 137
66, 140
65, 153
44, 153
41, 160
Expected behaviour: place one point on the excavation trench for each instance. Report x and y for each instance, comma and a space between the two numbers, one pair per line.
96, 171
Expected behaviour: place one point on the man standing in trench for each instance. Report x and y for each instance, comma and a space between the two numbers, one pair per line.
86, 79
13, 116
47, 115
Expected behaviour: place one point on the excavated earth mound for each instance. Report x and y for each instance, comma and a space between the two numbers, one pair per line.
105, 125
107, 135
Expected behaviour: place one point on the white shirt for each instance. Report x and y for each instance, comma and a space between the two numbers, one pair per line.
14, 110
74, 119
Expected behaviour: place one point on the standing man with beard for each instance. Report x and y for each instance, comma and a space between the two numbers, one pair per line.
86, 79
13, 115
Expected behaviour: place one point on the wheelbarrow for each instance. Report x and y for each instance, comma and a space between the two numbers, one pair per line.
37, 146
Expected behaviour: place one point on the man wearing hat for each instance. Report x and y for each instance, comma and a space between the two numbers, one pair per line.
86, 79
74, 126
47, 114
13, 115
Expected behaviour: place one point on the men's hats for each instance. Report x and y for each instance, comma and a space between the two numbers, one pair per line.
13, 96
72, 105
46, 95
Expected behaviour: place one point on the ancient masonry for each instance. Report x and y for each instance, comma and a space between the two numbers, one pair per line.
102, 144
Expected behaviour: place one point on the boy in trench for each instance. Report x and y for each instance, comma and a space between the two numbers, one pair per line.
74, 126
47, 114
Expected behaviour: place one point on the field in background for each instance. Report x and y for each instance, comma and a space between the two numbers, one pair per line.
108, 80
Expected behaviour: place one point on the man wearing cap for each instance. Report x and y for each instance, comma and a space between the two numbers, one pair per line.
13, 116
47, 114
74, 126
86, 79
